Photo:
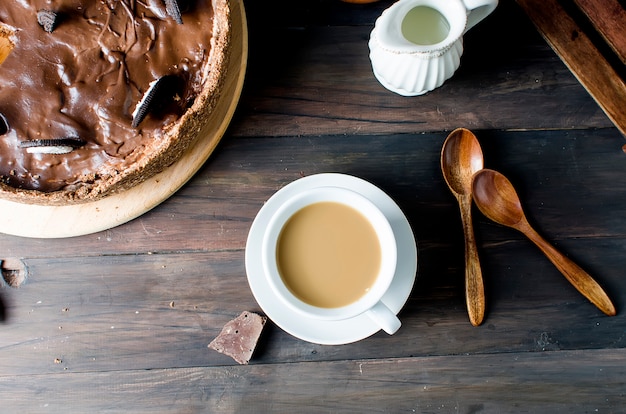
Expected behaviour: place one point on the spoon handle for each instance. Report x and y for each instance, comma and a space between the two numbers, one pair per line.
573, 273
474, 286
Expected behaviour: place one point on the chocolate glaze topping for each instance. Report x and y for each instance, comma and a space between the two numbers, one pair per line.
85, 78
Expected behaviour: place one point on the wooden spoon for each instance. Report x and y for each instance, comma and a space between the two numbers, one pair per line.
496, 198
461, 157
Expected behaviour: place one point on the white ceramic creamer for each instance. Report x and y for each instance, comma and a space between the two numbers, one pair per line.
416, 45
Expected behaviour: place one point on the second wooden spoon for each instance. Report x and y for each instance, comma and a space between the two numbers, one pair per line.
497, 199
461, 157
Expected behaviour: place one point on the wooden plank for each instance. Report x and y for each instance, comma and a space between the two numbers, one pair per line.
609, 18
555, 382
559, 174
325, 85
119, 321
116, 313
573, 45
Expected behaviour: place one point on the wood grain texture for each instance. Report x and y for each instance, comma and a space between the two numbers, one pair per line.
215, 210
497, 199
310, 74
583, 58
114, 313
120, 320
609, 18
511, 382
461, 159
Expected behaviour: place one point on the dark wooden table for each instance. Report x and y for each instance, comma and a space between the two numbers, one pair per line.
119, 321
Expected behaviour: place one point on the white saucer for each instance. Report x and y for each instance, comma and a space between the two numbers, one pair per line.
331, 332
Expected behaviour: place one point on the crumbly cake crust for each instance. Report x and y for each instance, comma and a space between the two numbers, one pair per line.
177, 138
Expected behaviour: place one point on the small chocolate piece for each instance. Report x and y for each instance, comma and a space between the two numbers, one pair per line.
239, 337
173, 9
47, 19
52, 146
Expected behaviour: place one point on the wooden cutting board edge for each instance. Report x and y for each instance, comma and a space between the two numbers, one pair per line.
609, 18
581, 57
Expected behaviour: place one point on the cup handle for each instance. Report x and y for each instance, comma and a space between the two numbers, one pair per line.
385, 318
478, 10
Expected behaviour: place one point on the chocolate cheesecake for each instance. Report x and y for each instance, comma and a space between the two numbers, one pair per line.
96, 96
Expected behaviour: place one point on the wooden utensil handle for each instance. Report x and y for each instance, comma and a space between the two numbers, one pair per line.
581, 280
474, 285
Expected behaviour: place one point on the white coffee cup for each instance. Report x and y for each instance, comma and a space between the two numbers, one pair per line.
370, 302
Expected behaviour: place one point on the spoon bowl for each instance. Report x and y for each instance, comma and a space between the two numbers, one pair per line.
461, 157
497, 199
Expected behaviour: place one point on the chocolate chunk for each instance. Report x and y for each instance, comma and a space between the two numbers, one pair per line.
47, 19
52, 146
173, 9
239, 337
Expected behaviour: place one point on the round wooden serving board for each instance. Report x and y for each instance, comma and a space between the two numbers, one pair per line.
39, 221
